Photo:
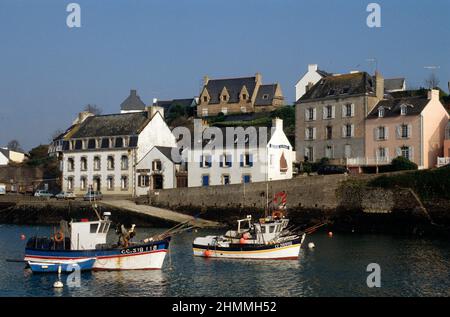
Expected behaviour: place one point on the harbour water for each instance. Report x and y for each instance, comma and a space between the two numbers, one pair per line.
336, 267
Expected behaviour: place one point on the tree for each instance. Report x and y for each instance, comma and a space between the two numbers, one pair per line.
14, 145
94, 109
401, 163
432, 81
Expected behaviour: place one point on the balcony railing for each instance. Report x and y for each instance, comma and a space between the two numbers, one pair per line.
441, 161
367, 161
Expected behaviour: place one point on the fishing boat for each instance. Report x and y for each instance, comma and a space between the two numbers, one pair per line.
268, 238
84, 240
67, 266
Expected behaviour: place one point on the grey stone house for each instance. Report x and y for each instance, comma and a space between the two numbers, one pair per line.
330, 117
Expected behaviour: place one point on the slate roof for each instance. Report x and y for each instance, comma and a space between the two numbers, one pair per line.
167, 104
394, 84
323, 73
233, 85
269, 91
5, 152
112, 125
392, 106
133, 102
341, 85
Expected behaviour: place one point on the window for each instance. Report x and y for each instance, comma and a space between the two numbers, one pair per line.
381, 153
329, 132
96, 163
246, 160
110, 182
381, 134
110, 161
329, 151
403, 110
246, 179
105, 143
83, 183
310, 133
157, 166
91, 144
405, 152
124, 182
205, 98
310, 114
226, 161
265, 96
70, 164
348, 110
205, 180
78, 145
205, 161
225, 179
94, 227
244, 96
347, 130
404, 131
309, 154
83, 162
271, 229
204, 112
118, 143
380, 112
224, 98
70, 183
124, 162
144, 180
328, 112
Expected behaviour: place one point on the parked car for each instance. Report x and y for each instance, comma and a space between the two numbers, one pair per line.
43, 193
332, 169
93, 195
65, 195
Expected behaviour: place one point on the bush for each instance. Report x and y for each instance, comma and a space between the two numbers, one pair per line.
403, 164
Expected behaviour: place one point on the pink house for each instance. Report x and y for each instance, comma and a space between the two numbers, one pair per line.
412, 127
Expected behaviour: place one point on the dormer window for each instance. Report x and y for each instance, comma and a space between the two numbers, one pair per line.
403, 110
224, 98
205, 98
265, 96
380, 112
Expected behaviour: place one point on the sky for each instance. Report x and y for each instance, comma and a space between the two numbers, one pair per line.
163, 48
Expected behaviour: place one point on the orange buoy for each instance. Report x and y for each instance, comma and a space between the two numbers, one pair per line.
22, 237
330, 234
242, 241
207, 253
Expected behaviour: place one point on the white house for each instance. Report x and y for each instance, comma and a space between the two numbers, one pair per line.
312, 76
7, 155
103, 151
159, 170
232, 156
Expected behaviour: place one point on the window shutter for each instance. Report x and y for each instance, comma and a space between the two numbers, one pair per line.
333, 112
386, 133
324, 112
411, 154
409, 130
314, 114
314, 133
376, 134
306, 134
343, 131
344, 107
398, 152
306, 115
386, 152
399, 131
352, 130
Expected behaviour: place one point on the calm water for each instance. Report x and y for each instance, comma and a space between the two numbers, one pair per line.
337, 267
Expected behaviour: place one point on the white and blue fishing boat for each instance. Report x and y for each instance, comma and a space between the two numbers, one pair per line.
84, 240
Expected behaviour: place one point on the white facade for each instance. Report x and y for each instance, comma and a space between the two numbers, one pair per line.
265, 162
155, 171
3, 159
308, 80
112, 170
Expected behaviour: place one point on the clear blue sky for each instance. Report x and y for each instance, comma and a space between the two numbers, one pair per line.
163, 49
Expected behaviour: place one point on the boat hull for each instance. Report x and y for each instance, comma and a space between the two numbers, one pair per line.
148, 256
283, 251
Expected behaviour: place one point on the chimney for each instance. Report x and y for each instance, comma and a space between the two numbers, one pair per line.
155, 101
313, 68
433, 94
152, 110
379, 85
258, 78
277, 123
205, 80
133, 92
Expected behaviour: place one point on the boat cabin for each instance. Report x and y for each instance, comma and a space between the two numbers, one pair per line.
87, 235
